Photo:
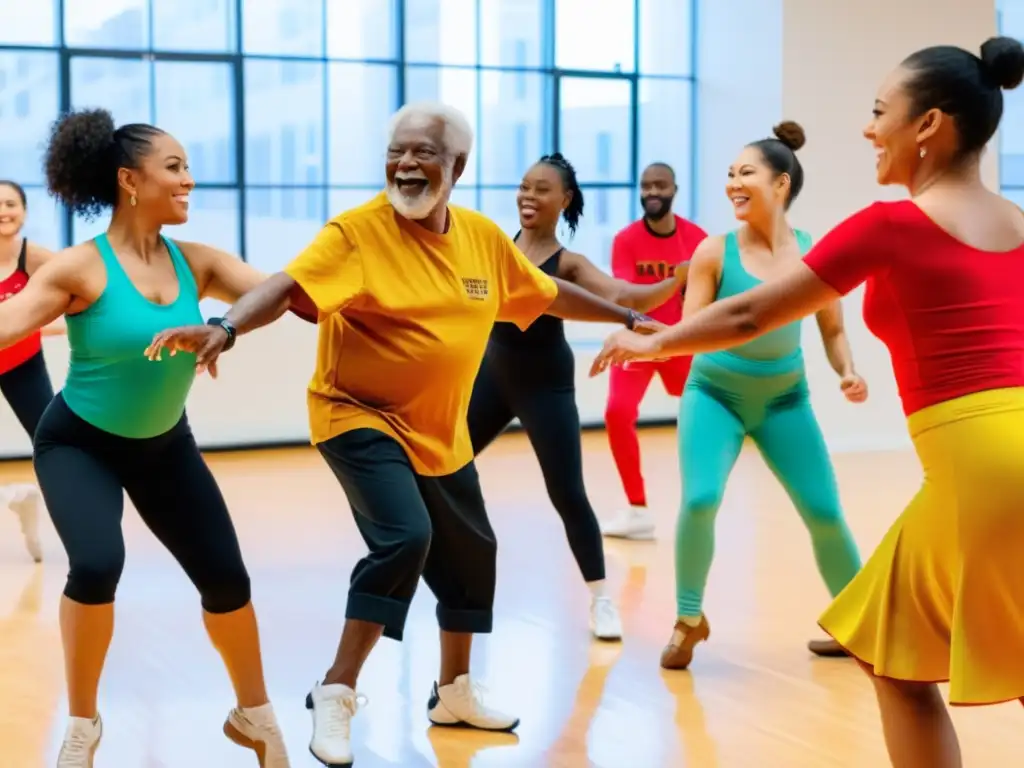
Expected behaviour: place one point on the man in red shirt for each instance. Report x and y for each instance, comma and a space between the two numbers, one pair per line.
646, 251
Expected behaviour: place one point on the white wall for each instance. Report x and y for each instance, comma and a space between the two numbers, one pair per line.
819, 62
814, 61
739, 72
835, 54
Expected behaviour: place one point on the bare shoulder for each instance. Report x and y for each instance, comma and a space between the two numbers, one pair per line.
203, 260
571, 261
35, 256
1014, 212
709, 253
573, 255
81, 257
199, 256
78, 270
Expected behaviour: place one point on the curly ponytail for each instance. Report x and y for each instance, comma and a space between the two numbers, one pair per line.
83, 155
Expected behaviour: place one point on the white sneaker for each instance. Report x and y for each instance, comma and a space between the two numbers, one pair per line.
81, 740
635, 523
256, 728
604, 619
25, 501
332, 707
459, 705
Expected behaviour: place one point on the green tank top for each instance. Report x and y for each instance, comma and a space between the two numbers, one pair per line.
110, 383
780, 344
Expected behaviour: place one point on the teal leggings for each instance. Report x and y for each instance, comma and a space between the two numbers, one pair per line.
726, 399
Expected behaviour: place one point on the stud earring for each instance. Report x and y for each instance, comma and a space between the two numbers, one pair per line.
923, 152
132, 201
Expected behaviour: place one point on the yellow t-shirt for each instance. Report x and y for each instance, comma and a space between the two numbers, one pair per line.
405, 315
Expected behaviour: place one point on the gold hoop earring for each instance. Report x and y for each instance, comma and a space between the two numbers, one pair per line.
132, 201
923, 152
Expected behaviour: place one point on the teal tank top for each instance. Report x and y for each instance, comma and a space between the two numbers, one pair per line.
782, 343
110, 383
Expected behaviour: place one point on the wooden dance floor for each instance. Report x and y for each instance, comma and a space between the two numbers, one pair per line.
754, 696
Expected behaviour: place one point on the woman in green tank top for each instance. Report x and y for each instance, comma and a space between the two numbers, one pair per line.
119, 425
757, 390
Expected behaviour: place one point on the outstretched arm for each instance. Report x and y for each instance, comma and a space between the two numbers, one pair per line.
261, 306
728, 322
227, 278
43, 299
525, 293
856, 249
321, 280
35, 257
265, 303
578, 269
712, 325
746, 316
575, 303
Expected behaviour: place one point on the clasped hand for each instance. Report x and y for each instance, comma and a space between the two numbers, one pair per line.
623, 346
205, 341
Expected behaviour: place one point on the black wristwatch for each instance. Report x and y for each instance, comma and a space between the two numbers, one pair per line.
633, 318
229, 329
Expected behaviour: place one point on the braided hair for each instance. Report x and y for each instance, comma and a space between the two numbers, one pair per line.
574, 211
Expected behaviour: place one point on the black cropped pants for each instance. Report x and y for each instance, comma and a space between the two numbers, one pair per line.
434, 527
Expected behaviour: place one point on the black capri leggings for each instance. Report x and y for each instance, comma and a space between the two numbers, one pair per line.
539, 389
84, 472
28, 391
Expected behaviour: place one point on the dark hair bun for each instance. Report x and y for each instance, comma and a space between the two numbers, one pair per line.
791, 134
77, 160
1002, 61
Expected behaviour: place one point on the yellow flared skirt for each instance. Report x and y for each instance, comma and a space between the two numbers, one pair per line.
942, 598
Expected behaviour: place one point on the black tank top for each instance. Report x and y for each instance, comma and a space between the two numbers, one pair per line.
545, 331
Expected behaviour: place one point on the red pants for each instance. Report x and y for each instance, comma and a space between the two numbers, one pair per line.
626, 389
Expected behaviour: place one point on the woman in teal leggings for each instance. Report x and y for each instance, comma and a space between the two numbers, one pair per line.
758, 390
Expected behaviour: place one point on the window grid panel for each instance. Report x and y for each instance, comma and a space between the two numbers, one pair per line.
511, 42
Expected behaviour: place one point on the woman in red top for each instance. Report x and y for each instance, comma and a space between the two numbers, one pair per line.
942, 598
24, 380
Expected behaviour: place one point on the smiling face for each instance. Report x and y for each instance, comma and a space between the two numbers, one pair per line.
12, 211
419, 171
657, 191
162, 182
893, 133
541, 198
754, 188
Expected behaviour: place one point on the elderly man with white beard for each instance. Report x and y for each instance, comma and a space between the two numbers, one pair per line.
406, 288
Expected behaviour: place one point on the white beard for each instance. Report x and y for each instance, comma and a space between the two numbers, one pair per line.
419, 206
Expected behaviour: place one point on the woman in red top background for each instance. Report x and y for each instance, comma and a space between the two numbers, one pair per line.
24, 380
942, 598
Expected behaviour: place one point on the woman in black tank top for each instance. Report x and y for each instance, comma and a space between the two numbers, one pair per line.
530, 375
